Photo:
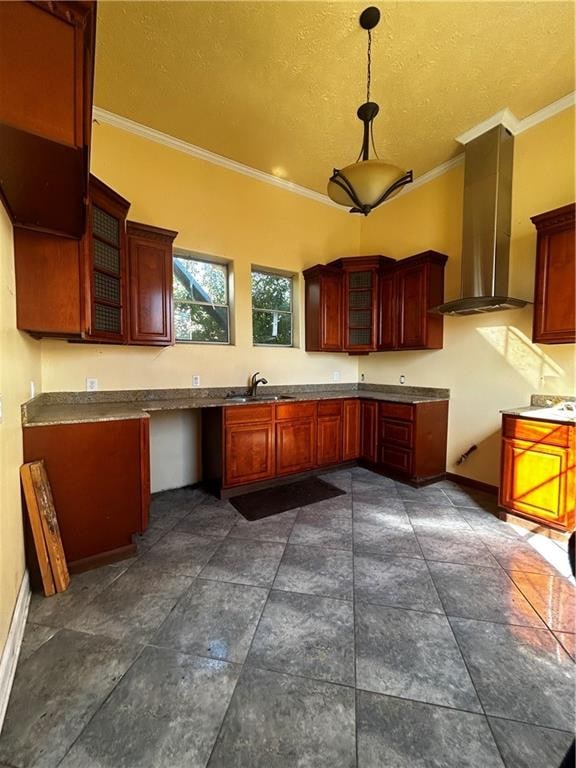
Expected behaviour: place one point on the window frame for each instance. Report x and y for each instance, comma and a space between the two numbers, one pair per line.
274, 273
180, 253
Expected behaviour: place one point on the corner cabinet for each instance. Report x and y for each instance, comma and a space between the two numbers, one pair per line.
371, 304
555, 281
538, 471
150, 284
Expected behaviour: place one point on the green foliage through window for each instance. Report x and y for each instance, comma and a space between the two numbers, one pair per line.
271, 309
200, 301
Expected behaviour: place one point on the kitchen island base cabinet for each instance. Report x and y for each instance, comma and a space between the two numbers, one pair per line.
538, 468
99, 473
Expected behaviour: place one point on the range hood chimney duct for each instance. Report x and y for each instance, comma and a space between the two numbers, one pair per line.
488, 161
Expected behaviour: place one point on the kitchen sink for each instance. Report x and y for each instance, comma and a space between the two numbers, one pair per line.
257, 398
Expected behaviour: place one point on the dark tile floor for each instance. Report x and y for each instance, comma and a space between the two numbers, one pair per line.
387, 627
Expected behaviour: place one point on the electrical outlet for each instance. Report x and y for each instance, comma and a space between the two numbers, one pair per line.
91, 385
362, 377
196, 381
402, 379
335, 375
32, 389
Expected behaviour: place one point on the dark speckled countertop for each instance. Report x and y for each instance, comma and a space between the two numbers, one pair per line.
545, 408
81, 407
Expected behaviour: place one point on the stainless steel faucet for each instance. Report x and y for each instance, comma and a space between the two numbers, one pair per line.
254, 384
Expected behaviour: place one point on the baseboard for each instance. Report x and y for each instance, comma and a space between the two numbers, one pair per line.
13, 642
468, 481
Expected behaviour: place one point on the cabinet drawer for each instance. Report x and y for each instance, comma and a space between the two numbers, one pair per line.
545, 432
397, 411
247, 414
396, 432
285, 411
399, 459
330, 408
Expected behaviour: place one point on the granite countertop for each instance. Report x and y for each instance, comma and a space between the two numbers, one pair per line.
538, 413
545, 408
81, 407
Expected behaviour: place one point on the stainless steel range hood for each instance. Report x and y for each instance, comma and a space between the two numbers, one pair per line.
486, 228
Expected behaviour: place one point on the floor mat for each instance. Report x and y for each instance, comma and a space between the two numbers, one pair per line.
281, 498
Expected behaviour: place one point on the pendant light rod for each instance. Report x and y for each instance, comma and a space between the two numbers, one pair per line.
367, 183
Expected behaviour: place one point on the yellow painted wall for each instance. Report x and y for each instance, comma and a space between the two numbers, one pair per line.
488, 362
19, 364
220, 212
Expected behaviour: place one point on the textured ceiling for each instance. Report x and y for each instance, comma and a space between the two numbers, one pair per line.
275, 85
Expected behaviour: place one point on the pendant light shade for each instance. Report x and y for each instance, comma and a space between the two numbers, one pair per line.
367, 183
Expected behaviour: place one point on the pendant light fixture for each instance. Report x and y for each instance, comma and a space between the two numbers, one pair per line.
366, 183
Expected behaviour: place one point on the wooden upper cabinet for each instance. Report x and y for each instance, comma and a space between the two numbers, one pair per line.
323, 301
388, 325
150, 284
555, 282
419, 287
361, 301
46, 81
105, 268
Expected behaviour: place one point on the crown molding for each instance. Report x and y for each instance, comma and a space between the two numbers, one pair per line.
117, 121
509, 120
505, 117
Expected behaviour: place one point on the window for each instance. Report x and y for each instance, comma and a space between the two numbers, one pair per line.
201, 311
271, 308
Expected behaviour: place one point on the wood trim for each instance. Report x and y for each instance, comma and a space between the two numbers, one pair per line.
102, 558
469, 482
12, 645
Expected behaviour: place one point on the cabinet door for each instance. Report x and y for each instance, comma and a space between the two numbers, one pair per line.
361, 309
351, 430
388, 325
370, 431
555, 289
248, 453
106, 272
412, 309
150, 284
329, 440
535, 481
331, 312
295, 445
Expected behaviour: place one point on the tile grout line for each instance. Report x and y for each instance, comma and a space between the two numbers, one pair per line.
470, 676
243, 664
102, 703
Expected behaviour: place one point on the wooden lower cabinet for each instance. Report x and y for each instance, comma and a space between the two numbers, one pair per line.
99, 475
249, 452
296, 426
412, 439
369, 431
329, 432
249, 444
538, 467
351, 424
